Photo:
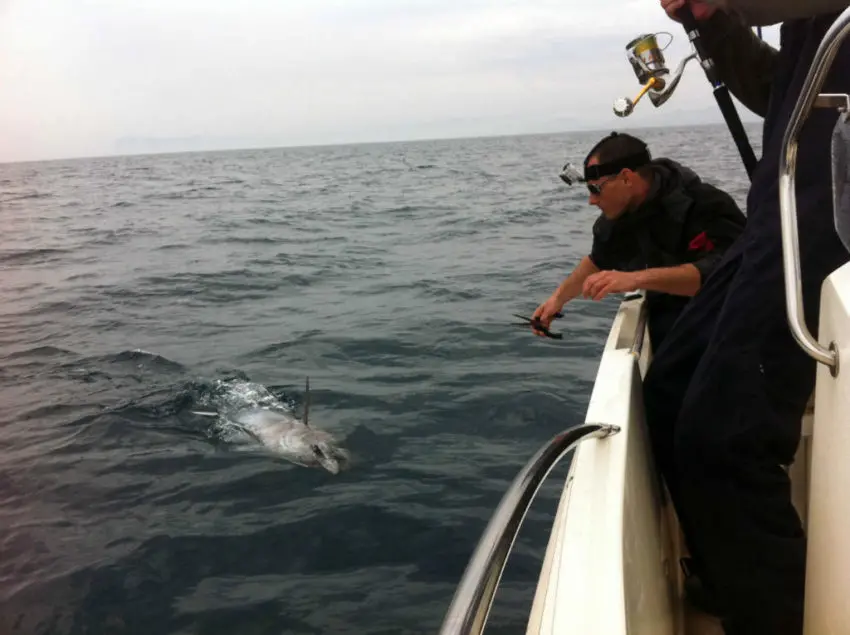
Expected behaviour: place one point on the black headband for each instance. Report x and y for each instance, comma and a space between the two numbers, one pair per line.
632, 162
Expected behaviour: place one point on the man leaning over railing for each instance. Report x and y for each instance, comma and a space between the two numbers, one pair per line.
661, 228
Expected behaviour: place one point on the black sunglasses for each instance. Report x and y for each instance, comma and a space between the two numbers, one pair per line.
596, 188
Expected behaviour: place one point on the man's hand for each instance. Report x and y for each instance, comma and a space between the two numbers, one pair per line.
702, 10
599, 285
545, 313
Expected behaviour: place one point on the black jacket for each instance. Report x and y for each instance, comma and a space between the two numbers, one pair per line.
684, 220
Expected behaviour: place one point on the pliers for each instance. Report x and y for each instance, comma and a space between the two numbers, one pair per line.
538, 325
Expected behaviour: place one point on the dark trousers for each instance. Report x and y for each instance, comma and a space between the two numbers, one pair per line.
722, 428
662, 317
728, 386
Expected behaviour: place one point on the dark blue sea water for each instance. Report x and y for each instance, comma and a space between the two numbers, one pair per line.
133, 287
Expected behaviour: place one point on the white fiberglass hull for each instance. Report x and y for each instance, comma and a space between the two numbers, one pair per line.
608, 561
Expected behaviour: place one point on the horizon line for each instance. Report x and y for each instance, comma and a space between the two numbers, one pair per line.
590, 129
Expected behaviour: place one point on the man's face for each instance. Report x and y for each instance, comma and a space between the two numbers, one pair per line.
611, 194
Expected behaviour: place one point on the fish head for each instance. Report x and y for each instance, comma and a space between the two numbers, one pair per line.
322, 450
330, 457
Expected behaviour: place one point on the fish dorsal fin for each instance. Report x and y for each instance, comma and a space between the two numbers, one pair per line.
307, 403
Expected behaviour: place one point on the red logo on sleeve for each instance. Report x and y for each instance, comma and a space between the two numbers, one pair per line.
701, 241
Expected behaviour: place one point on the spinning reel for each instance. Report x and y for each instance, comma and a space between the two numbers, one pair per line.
650, 67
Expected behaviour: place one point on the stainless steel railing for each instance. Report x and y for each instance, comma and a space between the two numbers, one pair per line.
473, 598
787, 190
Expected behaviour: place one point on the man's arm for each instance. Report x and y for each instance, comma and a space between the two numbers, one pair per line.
679, 280
745, 63
571, 287
767, 12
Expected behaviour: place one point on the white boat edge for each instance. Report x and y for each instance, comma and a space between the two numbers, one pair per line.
605, 562
827, 450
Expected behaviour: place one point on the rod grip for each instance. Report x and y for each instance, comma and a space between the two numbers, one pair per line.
686, 17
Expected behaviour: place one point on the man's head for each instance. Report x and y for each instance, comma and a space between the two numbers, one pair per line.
618, 174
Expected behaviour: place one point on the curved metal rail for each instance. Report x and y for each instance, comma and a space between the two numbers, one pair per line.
471, 604
787, 192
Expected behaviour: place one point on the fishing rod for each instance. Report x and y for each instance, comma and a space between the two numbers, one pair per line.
721, 92
650, 67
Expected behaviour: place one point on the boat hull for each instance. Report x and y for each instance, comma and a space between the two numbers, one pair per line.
610, 564
827, 575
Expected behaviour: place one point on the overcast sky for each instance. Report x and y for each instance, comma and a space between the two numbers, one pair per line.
94, 77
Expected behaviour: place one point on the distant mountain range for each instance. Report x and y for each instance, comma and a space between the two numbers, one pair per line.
439, 129
155, 145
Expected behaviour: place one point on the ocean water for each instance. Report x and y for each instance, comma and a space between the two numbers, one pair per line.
136, 288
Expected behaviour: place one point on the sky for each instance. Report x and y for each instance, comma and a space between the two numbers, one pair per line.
100, 77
